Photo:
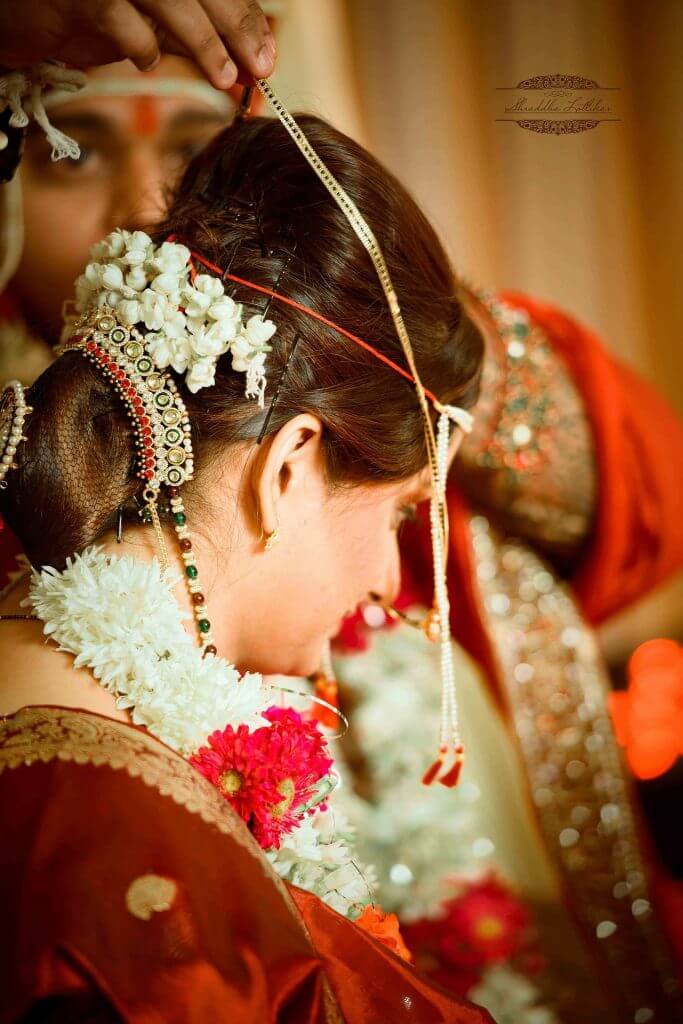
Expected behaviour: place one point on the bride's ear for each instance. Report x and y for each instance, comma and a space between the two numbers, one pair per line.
290, 471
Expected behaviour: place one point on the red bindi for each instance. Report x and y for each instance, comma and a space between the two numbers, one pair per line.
146, 115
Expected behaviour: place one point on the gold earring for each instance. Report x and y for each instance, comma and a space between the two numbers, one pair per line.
273, 538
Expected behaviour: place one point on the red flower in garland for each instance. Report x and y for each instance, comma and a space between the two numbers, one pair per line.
485, 924
268, 774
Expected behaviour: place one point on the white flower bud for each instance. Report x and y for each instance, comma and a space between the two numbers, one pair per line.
135, 257
259, 330
202, 374
240, 350
112, 277
225, 308
209, 285
159, 349
112, 247
180, 354
93, 274
153, 308
130, 311
139, 240
171, 258
136, 279
167, 284
175, 322
196, 304
206, 343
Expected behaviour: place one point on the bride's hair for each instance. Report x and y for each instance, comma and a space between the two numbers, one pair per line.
250, 202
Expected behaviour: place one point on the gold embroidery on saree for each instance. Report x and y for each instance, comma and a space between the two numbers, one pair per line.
556, 689
529, 408
47, 734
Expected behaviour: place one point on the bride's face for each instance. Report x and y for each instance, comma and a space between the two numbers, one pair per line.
338, 547
334, 559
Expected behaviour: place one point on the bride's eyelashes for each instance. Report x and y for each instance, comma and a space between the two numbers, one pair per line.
404, 514
408, 512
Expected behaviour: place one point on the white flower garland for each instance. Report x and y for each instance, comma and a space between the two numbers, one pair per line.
190, 323
317, 856
119, 618
511, 998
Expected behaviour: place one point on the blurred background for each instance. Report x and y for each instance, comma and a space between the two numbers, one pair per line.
591, 221
588, 220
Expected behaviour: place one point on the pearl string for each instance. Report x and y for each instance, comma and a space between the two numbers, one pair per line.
12, 432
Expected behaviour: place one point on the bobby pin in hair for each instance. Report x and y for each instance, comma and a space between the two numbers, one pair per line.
288, 259
280, 382
119, 524
265, 249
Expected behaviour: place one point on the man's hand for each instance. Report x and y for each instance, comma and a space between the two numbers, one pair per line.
226, 38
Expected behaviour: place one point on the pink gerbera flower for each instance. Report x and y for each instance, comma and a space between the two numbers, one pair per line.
268, 775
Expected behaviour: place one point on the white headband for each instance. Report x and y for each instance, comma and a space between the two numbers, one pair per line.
189, 88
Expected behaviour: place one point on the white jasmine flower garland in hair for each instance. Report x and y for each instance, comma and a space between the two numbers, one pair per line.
24, 91
118, 617
190, 321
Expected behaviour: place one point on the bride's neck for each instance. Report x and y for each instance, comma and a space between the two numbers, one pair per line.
214, 579
38, 673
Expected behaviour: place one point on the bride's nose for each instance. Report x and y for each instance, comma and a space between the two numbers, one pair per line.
388, 588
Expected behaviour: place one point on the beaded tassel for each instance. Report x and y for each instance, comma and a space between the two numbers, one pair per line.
449, 734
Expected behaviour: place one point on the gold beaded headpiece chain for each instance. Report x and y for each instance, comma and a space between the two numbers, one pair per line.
437, 447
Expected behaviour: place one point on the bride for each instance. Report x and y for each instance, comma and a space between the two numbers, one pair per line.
205, 482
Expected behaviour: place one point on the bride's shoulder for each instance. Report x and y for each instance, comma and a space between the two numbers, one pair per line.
34, 672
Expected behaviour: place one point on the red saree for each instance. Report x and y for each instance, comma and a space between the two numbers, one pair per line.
132, 892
